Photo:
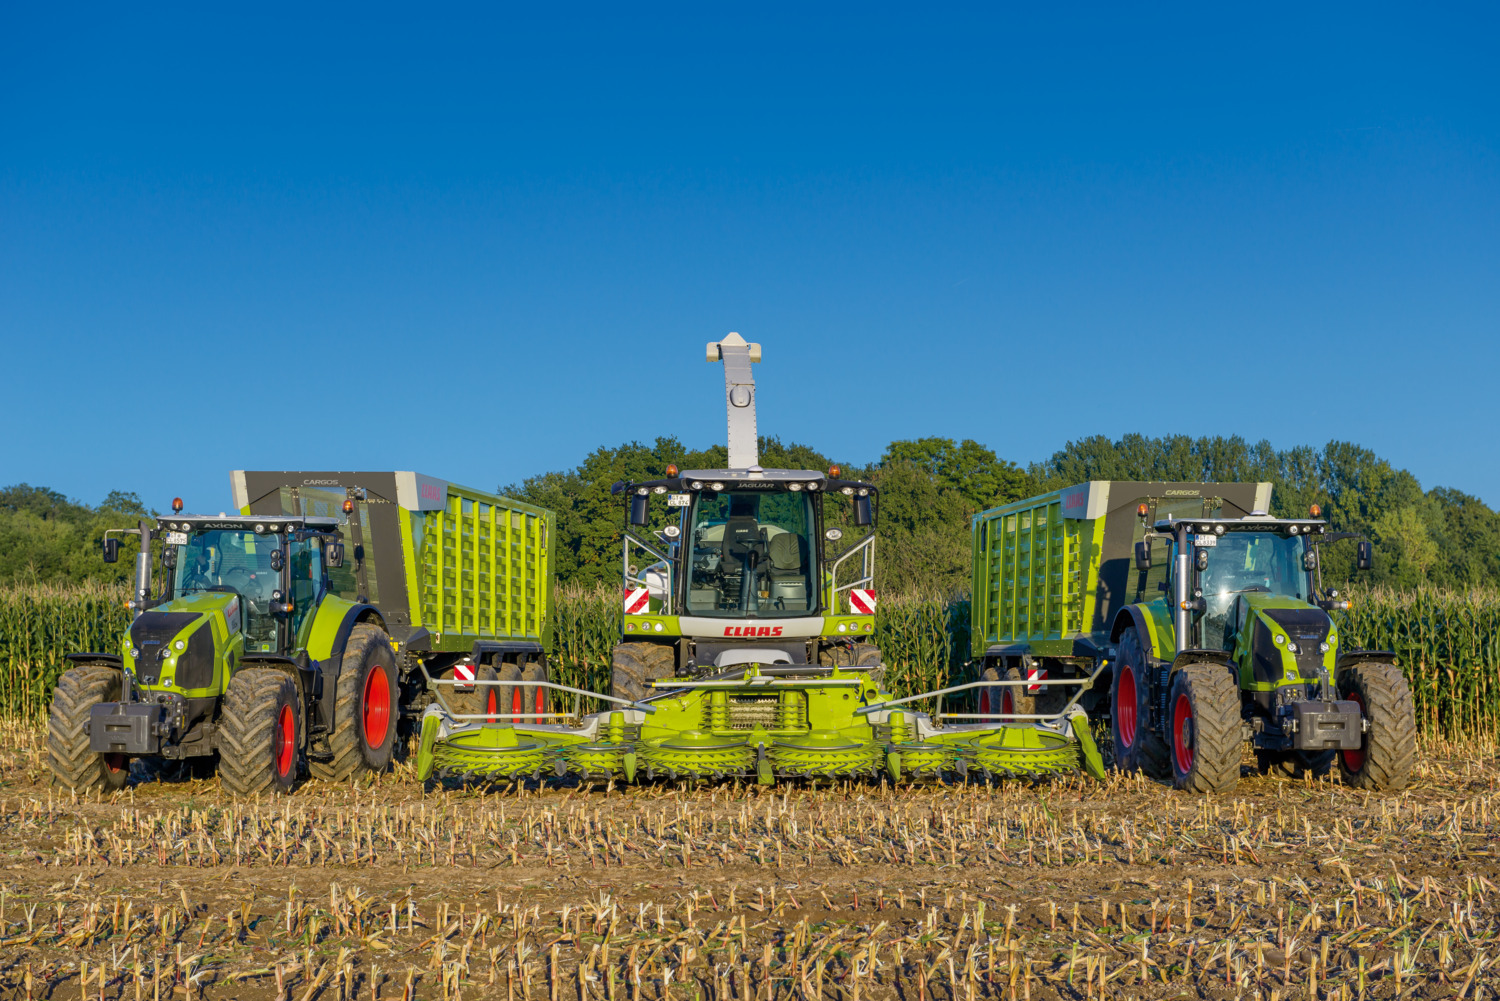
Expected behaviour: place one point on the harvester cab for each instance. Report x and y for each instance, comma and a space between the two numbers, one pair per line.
1241, 646
236, 659
751, 565
746, 649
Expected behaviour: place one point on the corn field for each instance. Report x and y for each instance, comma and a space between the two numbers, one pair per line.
1448, 644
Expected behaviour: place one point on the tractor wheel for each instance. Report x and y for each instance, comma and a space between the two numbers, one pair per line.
260, 733
485, 699
366, 707
1388, 753
1137, 746
636, 665
1203, 717
534, 698
73, 765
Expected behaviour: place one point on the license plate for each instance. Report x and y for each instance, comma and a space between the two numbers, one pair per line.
176, 538
679, 500
1206, 541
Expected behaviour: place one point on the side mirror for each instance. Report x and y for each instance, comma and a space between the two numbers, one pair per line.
277, 560
111, 550
638, 508
864, 511
1201, 560
333, 555
1310, 560
1364, 557
1143, 556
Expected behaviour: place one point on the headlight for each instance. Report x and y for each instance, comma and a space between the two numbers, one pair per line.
716, 487
1280, 640
180, 645
794, 487
1293, 530
642, 491
1323, 647
864, 491
260, 529
275, 528
847, 491
671, 531
658, 490
1218, 529
697, 484
812, 486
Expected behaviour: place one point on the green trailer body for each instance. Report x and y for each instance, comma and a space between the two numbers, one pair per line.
1051, 573
450, 567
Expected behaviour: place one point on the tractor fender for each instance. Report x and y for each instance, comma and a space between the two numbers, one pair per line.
335, 620
113, 660
1200, 656
1348, 658
1133, 615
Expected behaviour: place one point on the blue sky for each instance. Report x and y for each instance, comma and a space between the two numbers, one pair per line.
481, 242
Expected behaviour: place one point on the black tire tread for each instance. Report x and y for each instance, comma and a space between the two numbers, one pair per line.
346, 742
72, 763
247, 730
635, 665
1390, 746
1215, 695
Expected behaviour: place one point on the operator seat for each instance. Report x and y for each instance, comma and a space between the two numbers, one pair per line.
741, 535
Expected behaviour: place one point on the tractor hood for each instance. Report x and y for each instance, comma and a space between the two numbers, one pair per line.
1289, 637
177, 643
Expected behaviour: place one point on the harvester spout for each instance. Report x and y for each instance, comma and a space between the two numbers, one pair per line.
739, 397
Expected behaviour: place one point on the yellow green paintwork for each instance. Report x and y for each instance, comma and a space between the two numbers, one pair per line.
209, 607
846, 626
760, 727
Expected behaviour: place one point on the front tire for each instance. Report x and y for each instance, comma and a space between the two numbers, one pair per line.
1388, 752
1137, 746
366, 708
260, 733
636, 665
73, 764
1203, 721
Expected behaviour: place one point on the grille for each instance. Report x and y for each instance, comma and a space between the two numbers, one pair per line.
153, 632
747, 712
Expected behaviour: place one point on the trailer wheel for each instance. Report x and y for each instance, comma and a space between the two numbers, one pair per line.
534, 697
1137, 746
512, 700
1203, 719
366, 707
636, 665
1388, 753
993, 700
73, 764
486, 699
260, 733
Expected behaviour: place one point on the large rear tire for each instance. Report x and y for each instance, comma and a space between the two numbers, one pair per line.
636, 665
482, 699
1137, 746
1388, 753
366, 708
1203, 720
260, 733
73, 764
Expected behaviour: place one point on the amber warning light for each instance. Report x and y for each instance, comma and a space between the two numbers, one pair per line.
1142, 510
176, 504
348, 507
671, 469
1315, 511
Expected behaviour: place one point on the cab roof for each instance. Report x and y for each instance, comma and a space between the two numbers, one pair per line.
260, 523
1250, 523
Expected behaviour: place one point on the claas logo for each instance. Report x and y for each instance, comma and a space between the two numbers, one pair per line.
752, 630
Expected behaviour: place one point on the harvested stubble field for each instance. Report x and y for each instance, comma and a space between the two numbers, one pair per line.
1289, 889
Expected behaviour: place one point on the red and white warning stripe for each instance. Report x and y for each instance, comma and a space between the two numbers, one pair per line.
464, 675
1035, 674
637, 600
862, 601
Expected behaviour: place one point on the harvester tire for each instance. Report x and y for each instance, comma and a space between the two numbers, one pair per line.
636, 665
1203, 724
260, 733
1137, 746
487, 699
366, 708
73, 764
534, 697
1389, 752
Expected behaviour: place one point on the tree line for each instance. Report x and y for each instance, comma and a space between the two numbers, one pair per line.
930, 489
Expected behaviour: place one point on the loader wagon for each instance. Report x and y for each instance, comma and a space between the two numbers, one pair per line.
463, 578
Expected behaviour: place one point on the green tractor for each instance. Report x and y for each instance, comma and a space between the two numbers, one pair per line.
1240, 647
244, 659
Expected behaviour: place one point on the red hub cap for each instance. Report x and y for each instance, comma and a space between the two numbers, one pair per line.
286, 741
1355, 760
984, 701
1007, 702
491, 705
377, 714
116, 762
515, 703
541, 704
1182, 733
1125, 709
